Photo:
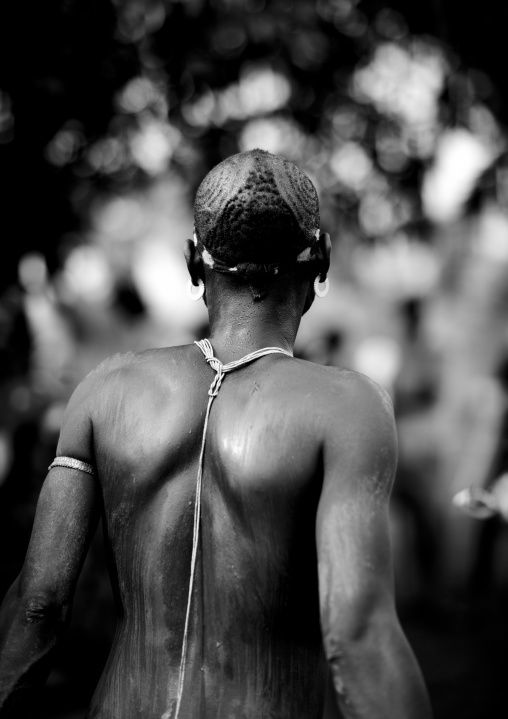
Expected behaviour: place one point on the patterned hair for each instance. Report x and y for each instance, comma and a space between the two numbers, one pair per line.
254, 213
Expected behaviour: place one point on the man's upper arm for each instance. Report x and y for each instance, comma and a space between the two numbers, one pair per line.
67, 512
37, 607
354, 555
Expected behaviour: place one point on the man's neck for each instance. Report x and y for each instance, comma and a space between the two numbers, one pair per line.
240, 325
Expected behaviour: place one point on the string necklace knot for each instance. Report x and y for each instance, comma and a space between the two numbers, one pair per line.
218, 368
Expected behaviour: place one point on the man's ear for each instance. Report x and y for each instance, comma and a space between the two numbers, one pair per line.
323, 250
194, 261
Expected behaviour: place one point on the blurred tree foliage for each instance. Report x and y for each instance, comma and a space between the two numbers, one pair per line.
70, 127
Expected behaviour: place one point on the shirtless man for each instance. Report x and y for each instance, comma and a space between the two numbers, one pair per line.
292, 552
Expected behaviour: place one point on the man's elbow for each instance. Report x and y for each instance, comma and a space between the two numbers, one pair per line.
357, 630
44, 610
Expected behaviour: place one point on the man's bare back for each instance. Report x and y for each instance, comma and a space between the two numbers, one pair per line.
255, 639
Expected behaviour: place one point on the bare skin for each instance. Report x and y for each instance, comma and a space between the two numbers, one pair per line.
294, 553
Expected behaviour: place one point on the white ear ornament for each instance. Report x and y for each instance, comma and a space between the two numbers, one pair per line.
200, 290
321, 292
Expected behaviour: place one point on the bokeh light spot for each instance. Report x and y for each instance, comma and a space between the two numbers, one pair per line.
87, 276
461, 157
32, 272
351, 166
64, 146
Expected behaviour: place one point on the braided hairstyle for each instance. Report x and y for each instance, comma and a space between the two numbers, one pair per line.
254, 213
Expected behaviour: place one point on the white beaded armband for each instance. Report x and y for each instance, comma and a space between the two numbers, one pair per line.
72, 463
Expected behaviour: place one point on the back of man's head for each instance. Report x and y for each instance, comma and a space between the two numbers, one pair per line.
256, 213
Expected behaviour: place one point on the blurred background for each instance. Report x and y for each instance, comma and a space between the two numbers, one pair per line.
111, 113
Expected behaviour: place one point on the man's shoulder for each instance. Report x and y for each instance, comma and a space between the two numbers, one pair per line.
348, 391
355, 417
126, 370
128, 364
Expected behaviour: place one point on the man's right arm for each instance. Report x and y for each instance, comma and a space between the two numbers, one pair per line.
36, 610
375, 673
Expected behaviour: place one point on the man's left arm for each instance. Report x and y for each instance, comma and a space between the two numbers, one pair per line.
37, 607
375, 672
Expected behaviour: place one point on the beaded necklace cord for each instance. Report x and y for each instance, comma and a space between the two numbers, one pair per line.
221, 370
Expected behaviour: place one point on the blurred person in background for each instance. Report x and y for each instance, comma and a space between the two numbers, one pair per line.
490, 503
233, 563
18, 424
416, 390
